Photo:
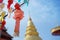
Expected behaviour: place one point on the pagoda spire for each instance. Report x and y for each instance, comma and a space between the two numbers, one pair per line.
31, 32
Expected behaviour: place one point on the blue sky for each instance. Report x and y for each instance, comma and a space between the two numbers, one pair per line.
45, 15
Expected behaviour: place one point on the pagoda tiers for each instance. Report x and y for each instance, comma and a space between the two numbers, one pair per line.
31, 32
4, 35
56, 31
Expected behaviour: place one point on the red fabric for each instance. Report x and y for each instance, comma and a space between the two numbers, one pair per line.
3, 24
9, 3
17, 6
18, 16
1, 1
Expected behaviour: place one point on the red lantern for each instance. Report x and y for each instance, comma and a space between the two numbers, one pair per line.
18, 15
9, 3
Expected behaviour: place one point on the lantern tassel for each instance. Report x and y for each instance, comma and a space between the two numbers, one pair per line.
16, 30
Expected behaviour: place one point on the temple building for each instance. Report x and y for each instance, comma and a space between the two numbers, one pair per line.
56, 31
31, 32
4, 35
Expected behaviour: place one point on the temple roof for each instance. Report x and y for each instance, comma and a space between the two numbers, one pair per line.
4, 34
56, 31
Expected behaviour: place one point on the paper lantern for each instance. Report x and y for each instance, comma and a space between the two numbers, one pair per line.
9, 3
26, 2
18, 15
1, 1
19, 0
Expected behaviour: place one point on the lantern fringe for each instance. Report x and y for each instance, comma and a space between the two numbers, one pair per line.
16, 34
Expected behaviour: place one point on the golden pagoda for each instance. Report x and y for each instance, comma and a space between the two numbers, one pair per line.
31, 32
